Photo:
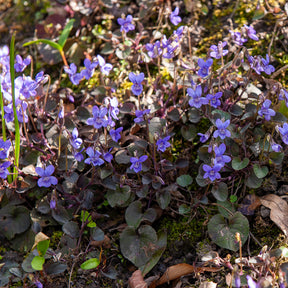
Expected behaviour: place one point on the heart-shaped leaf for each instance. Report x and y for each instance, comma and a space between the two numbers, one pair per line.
222, 231
238, 164
220, 191
14, 220
138, 246
259, 171
184, 180
37, 263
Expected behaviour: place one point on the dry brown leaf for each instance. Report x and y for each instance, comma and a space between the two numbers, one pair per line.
179, 270
38, 238
279, 211
137, 281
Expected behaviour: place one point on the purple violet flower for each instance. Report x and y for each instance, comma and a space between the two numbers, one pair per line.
219, 157
170, 51
9, 114
137, 87
140, 115
113, 108
75, 141
21, 64
266, 111
4, 148
28, 87
284, 133
251, 283
21, 112
203, 137
214, 99
104, 68
126, 24
94, 157
196, 100
174, 18
276, 147
251, 32
89, 69
108, 157
217, 51
222, 132
163, 144
3, 169
78, 155
268, 69
73, 75
179, 32
212, 172
154, 50
46, 179
115, 134
99, 117
204, 67
237, 38
137, 163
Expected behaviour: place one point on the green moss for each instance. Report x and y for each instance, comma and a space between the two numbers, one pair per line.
55, 239
182, 230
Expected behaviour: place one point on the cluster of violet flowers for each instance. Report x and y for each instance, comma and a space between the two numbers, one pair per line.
25, 86
89, 69
199, 97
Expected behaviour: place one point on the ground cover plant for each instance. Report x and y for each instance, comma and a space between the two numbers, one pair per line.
125, 141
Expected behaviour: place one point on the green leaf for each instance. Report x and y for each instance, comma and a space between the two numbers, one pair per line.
42, 247
65, 33
225, 208
97, 234
163, 198
253, 181
223, 231
259, 13
14, 220
236, 110
194, 115
87, 217
160, 248
133, 214
237, 164
189, 132
184, 180
184, 209
45, 41
138, 246
71, 228
119, 197
220, 191
276, 157
123, 54
259, 171
37, 263
233, 198
90, 264
174, 115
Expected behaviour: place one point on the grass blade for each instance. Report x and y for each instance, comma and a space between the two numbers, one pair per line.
65, 33
16, 123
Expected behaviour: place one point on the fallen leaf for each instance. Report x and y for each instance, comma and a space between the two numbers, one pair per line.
208, 284
176, 271
279, 210
137, 281
38, 238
